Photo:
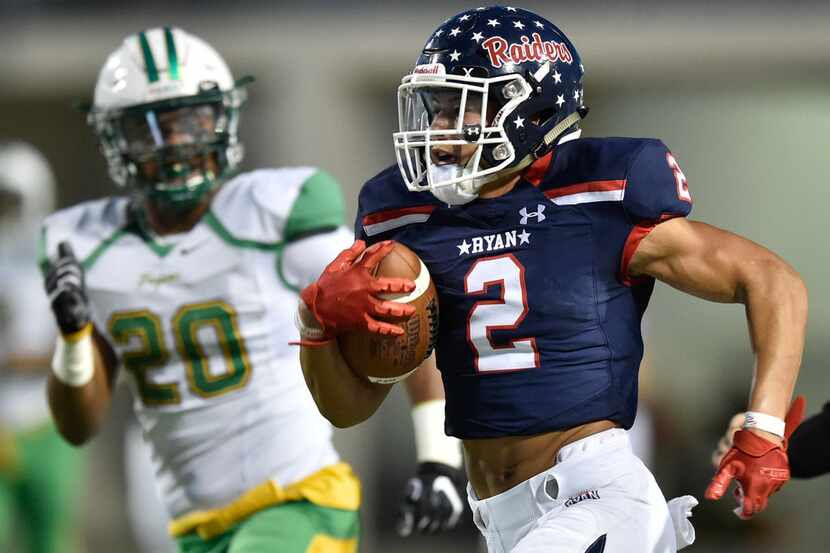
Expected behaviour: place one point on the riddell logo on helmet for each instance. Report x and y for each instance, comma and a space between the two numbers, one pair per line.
501, 52
430, 69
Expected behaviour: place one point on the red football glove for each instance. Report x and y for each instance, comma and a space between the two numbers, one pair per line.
759, 466
344, 298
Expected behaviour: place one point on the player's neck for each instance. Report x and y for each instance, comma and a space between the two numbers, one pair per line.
500, 187
163, 222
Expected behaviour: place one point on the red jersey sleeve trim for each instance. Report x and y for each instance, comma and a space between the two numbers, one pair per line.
638, 232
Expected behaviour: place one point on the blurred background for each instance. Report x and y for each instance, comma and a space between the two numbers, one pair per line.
740, 91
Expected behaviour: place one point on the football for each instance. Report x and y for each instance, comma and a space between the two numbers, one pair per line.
390, 359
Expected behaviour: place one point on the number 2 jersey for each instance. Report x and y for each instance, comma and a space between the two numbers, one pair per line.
539, 320
202, 325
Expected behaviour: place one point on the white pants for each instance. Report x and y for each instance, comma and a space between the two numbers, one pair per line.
597, 494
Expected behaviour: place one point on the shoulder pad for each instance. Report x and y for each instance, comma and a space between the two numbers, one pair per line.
589, 170
656, 188
385, 205
274, 205
86, 226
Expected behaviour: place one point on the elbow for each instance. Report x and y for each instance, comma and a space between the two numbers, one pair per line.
781, 284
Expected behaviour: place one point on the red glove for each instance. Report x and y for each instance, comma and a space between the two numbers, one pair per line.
759, 466
344, 298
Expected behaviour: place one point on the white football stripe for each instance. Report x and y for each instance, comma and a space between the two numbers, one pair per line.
589, 197
390, 224
421, 285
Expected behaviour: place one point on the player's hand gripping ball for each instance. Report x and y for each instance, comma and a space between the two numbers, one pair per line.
389, 358
759, 466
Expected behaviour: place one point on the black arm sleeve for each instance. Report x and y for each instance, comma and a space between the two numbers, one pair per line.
809, 447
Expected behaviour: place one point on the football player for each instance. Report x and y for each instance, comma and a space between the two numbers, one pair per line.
544, 247
40, 475
189, 283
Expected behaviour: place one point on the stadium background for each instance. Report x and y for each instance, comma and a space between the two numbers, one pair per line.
739, 91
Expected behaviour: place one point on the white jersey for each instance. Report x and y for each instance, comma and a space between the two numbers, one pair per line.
203, 325
27, 330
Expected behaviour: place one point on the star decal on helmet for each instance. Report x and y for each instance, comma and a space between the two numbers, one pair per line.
557, 77
456, 31
455, 55
493, 22
518, 24
478, 37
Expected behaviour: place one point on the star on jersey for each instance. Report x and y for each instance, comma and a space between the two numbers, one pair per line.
493, 242
477, 37
518, 24
493, 22
454, 55
560, 99
455, 31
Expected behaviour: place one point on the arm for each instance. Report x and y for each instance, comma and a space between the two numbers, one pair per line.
433, 498
713, 264
342, 396
719, 266
79, 410
84, 365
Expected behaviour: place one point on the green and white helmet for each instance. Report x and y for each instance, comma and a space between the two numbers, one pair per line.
27, 195
166, 112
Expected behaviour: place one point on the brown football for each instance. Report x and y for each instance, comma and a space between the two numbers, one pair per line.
389, 359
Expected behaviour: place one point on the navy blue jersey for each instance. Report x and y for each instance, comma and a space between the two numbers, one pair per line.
539, 322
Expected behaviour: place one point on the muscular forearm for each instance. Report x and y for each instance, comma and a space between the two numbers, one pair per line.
776, 307
342, 396
79, 410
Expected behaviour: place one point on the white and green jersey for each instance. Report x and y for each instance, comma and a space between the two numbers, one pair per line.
202, 326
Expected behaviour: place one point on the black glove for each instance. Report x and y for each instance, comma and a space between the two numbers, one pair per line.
67, 291
433, 501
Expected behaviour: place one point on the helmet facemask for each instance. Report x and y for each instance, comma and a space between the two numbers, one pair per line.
452, 138
173, 152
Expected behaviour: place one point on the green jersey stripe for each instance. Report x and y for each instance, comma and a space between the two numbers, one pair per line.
217, 226
172, 56
42, 255
149, 61
102, 247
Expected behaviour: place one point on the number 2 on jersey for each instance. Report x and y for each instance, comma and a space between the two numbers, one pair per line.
505, 313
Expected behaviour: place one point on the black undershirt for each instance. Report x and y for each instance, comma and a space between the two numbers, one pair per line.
809, 447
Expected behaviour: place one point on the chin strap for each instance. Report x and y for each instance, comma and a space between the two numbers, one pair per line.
552, 135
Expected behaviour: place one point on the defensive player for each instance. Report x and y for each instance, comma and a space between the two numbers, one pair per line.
544, 247
185, 284
41, 477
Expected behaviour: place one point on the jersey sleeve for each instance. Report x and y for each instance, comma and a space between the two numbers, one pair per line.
656, 188
304, 259
317, 208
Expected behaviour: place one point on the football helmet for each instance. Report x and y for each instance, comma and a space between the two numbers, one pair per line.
27, 195
166, 112
512, 83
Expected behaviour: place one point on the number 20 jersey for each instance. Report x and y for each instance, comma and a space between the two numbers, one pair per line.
539, 320
203, 326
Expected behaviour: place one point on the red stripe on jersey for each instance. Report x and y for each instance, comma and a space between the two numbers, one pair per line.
638, 232
381, 216
582, 187
536, 172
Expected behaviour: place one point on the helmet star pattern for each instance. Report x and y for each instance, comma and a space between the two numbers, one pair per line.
482, 51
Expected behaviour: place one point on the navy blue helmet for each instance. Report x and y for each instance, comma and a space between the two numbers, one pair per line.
516, 82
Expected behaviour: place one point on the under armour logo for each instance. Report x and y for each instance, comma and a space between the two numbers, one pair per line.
538, 214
